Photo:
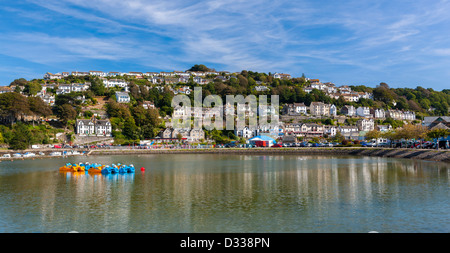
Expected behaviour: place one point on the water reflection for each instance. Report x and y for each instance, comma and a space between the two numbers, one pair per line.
228, 193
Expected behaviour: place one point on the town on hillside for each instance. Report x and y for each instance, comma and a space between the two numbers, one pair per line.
82, 108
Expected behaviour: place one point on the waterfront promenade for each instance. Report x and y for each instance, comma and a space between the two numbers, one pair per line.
441, 155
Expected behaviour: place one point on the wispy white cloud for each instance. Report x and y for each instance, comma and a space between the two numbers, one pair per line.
367, 36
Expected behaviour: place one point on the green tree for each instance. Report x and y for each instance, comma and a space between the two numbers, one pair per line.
373, 134
130, 129
21, 137
13, 106
98, 87
39, 107
66, 113
32, 88
437, 133
199, 68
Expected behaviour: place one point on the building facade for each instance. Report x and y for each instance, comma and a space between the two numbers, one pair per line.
88, 127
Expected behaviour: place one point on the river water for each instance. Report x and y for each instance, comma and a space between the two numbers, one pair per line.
227, 193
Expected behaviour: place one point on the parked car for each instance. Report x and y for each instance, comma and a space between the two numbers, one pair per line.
384, 144
230, 145
429, 145
277, 145
366, 144
306, 144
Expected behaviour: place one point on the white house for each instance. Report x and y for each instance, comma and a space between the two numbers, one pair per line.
281, 76
114, 82
48, 76
77, 73
261, 88
148, 105
350, 97
267, 110
363, 111
78, 87
64, 89
245, 132
319, 109
348, 129
409, 115
102, 128
295, 109
378, 113
345, 89
48, 99
384, 128
97, 73
5, 89
122, 97
330, 130
333, 110
87, 127
365, 125
348, 110
114, 74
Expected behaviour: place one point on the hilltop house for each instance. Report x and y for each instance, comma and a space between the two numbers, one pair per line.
5, 89
49, 76
114, 82
282, 76
97, 73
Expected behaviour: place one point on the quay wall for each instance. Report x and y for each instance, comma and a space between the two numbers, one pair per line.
420, 154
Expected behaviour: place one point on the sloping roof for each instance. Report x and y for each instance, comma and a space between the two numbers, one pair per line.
433, 118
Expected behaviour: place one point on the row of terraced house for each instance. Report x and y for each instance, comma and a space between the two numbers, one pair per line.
323, 109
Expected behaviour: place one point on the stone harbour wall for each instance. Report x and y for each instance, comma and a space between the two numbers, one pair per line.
421, 154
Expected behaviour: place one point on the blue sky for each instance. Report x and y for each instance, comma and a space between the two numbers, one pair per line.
402, 43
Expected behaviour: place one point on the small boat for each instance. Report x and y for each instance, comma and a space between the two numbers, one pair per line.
17, 155
55, 153
73, 168
119, 168
67, 167
94, 168
75, 153
28, 154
